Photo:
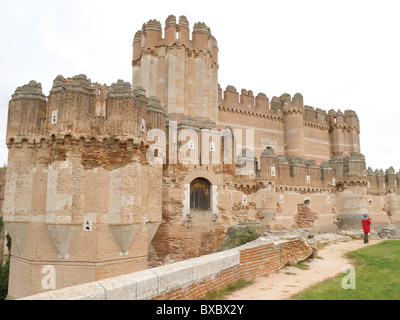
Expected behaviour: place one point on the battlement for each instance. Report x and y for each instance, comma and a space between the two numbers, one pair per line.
299, 171
295, 171
349, 120
379, 179
82, 110
150, 38
245, 102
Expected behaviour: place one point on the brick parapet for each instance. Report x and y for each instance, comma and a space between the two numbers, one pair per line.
191, 279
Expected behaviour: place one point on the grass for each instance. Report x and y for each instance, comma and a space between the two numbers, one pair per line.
377, 276
303, 265
223, 293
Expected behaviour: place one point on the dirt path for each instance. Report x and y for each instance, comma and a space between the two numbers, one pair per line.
290, 280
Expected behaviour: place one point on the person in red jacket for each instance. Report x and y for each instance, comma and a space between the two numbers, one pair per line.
366, 223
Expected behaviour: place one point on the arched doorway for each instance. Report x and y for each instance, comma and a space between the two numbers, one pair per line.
200, 195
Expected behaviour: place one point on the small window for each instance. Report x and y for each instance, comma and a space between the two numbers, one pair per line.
54, 117
281, 198
244, 199
370, 203
212, 146
273, 171
143, 125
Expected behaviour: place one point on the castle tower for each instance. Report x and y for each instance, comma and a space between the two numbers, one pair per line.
77, 195
293, 117
352, 126
183, 73
344, 132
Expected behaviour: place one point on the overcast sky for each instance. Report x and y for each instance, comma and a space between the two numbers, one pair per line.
337, 54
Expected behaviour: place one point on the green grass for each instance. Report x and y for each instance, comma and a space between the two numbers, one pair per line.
303, 265
223, 293
377, 276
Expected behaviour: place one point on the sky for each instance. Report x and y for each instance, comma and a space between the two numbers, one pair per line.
337, 54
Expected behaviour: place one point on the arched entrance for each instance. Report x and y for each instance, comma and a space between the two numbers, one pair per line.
200, 195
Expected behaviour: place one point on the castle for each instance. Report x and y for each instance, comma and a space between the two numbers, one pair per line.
83, 195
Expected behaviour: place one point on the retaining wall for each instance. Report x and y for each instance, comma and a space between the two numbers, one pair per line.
191, 279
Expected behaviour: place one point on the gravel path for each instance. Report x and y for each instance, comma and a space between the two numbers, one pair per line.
291, 280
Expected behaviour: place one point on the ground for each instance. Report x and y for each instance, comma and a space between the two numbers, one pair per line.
290, 280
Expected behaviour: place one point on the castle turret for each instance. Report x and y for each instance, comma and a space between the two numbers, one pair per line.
344, 132
352, 127
293, 112
26, 113
77, 179
182, 73
71, 105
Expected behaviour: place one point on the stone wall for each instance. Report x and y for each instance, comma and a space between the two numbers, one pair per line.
191, 279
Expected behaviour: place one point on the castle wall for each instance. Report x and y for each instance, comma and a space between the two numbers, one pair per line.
194, 278
316, 140
267, 132
78, 193
48, 208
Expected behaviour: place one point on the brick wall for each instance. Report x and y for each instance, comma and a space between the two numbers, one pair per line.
191, 279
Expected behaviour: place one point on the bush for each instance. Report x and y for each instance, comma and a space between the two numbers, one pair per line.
240, 235
4, 272
4, 269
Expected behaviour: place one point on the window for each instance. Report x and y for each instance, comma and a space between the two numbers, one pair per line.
54, 115
200, 197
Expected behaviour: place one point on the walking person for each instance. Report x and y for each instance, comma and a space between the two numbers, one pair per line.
366, 223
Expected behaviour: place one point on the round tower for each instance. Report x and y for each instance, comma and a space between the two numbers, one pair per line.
293, 118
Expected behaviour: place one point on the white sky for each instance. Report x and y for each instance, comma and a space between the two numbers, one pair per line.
337, 54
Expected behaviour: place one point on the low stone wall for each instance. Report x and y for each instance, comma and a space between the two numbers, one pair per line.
191, 279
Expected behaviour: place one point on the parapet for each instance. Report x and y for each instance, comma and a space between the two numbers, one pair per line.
81, 109
347, 120
121, 89
175, 34
32, 90
26, 112
317, 116
245, 101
